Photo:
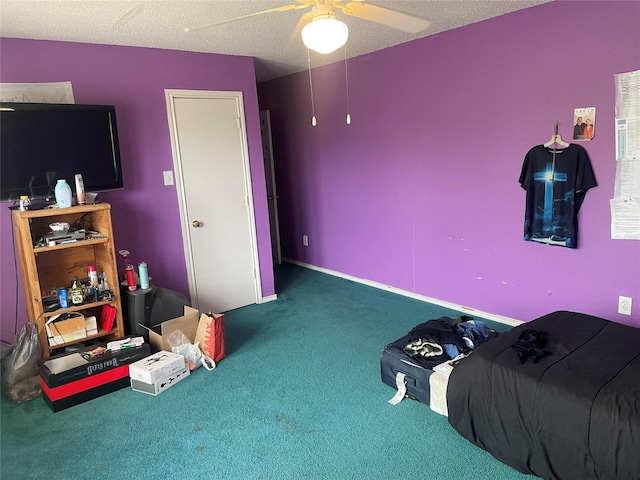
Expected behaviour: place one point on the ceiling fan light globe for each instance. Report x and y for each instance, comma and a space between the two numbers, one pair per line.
325, 35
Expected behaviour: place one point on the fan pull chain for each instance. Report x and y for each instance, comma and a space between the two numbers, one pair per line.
313, 108
346, 77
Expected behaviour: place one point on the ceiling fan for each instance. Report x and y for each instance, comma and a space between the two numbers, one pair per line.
323, 32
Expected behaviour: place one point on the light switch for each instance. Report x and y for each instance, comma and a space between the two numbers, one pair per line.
168, 177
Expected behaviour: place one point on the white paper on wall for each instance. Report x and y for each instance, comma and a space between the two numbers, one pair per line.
628, 94
625, 218
627, 138
625, 206
627, 178
54, 92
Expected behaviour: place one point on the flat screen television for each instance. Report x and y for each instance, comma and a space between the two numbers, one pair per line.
43, 142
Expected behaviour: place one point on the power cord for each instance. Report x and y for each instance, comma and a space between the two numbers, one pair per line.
15, 272
83, 223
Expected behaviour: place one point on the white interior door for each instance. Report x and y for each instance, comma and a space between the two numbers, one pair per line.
272, 192
214, 190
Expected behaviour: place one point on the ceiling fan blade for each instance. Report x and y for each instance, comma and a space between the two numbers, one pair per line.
384, 16
284, 8
297, 32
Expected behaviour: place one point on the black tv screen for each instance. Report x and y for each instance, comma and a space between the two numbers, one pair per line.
42, 142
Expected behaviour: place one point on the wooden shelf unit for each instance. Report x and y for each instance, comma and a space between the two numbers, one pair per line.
45, 269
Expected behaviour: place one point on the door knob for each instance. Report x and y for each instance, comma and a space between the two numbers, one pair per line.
196, 224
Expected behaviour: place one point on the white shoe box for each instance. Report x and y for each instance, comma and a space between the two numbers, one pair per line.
157, 367
160, 385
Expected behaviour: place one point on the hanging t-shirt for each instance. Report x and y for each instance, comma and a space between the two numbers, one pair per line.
555, 191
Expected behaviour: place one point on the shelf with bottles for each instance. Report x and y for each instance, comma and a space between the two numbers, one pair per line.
91, 300
93, 291
47, 269
57, 270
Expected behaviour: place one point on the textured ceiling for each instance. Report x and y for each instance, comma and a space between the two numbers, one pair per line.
162, 23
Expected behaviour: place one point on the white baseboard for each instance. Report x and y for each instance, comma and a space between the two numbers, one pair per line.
460, 308
270, 298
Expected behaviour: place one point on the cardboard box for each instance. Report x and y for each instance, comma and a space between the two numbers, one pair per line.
70, 367
157, 367
160, 385
92, 325
187, 324
65, 331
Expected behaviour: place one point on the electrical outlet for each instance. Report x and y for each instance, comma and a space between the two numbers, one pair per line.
624, 305
305, 240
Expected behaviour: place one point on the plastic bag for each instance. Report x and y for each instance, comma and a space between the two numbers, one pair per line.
181, 345
20, 380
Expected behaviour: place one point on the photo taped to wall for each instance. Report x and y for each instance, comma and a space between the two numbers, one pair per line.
584, 123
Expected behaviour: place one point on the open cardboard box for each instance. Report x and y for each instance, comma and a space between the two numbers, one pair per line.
187, 324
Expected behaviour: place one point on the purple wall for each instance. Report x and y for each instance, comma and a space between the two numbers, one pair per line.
145, 215
421, 191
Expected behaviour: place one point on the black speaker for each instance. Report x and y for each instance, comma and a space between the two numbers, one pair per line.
149, 307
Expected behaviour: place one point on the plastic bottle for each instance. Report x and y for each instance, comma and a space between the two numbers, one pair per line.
63, 194
25, 203
93, 275
62, 298
143, 273
80, 197
77, 292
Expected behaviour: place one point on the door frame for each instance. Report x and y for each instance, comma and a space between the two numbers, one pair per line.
171, 95
270, 173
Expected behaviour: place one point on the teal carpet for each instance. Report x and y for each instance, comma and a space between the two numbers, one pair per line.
299, 396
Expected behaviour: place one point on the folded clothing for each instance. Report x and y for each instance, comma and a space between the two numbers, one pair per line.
424, 347
473, 332
445, 338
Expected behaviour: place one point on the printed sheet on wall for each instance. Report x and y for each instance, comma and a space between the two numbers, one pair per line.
625, 204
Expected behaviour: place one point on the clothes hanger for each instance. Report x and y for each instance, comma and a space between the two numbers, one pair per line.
556, 138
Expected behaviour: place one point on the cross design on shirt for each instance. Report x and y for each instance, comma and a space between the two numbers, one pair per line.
548, 176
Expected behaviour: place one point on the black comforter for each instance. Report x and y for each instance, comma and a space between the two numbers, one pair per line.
573, 414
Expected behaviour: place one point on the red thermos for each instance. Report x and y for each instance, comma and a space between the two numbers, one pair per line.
131, 279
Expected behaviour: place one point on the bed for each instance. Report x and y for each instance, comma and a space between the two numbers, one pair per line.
572, 414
